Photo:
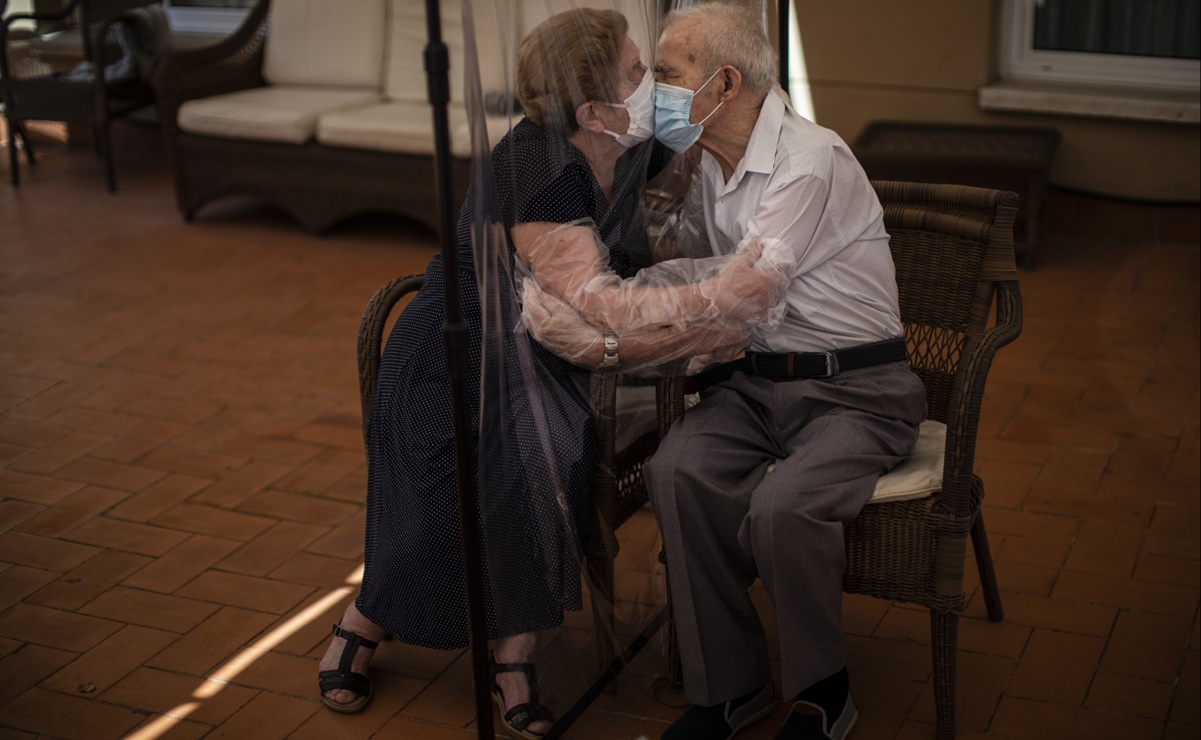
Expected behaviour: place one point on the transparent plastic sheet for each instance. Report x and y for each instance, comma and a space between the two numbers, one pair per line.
562, 242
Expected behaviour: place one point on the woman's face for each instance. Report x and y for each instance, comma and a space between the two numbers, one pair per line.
630, 71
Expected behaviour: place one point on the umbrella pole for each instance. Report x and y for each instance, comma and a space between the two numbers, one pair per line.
456, 336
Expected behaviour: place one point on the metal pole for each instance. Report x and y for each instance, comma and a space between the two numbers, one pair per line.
437, 64
782, 27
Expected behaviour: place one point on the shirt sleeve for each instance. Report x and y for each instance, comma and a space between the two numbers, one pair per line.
786, 221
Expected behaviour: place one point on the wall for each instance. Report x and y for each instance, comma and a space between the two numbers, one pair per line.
924, 60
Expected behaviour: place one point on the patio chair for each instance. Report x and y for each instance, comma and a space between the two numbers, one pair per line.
94, 99
617, 488
954, 255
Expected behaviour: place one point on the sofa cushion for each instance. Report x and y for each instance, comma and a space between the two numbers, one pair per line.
320, 42
286, 113
405, 128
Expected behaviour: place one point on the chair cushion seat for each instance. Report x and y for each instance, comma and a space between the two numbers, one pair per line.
919, 476
406, 128
286, 113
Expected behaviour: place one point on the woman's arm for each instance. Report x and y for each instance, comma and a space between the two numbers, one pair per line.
559, 328
569, 263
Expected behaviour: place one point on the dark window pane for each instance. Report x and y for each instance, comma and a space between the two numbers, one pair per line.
1151, 28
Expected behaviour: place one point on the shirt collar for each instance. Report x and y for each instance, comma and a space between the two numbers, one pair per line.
761, 149
760, 156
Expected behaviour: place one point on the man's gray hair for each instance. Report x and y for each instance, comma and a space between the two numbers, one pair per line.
735, 38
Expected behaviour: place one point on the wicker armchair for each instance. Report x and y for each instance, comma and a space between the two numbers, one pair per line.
954, 255
617, 488
94, 102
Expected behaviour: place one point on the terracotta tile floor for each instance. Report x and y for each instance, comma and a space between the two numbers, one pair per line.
181, 478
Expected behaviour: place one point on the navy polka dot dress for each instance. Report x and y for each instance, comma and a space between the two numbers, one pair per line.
534, 509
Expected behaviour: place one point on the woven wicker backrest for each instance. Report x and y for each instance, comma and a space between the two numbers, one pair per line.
951, 245
94, 12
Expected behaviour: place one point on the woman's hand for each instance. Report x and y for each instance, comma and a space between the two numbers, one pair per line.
557, 326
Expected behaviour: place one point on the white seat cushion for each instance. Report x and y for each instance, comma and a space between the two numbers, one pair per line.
284, 113
920, 475
322, 42
406, 128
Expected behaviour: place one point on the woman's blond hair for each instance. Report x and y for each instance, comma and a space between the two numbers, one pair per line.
568, 60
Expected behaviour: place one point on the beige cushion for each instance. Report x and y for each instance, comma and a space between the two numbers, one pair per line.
284, 113
323, 42
406, 128
920, 475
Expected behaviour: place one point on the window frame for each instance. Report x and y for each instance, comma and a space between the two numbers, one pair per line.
1020, 61
207, 21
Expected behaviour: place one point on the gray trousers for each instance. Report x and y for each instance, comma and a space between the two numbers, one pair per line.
726, 521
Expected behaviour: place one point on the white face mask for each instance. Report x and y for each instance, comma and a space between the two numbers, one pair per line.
641, 107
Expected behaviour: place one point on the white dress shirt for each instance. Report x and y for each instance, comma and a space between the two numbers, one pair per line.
800, 190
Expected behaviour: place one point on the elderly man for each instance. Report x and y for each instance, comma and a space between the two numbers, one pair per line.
824, 394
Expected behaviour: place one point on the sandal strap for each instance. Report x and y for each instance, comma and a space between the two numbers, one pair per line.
353, 642
356, 682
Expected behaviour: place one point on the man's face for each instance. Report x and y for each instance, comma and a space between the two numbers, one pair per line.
676, 64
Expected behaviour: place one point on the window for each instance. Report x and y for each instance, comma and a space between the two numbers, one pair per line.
206, 16
1143, 43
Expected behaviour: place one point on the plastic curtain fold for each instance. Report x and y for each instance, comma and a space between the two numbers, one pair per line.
570, 235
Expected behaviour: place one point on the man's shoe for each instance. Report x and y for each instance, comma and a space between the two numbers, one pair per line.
835, 711
723, 721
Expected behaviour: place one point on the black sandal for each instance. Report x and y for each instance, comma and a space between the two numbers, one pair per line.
521, 716
344, 678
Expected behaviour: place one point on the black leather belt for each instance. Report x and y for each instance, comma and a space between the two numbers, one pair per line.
803, 365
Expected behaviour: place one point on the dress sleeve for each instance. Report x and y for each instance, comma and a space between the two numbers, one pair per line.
550, 183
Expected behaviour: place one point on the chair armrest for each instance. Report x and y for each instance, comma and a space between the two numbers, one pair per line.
371, 334
967, 397
234, 63
7, 22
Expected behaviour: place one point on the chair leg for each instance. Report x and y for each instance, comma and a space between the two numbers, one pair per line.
675, 669
27, 145
944, 642
14, 163
600, 586
988, 574
106, 154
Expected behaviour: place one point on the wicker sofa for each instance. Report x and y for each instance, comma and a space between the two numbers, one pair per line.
318, 108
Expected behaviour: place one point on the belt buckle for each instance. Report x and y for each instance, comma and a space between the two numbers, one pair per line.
831, 364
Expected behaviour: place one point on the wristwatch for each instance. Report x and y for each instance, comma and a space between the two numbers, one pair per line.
610, 359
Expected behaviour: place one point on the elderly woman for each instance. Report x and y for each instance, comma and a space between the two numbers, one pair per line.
567, 184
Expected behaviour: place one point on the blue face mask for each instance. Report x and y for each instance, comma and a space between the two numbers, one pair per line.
673, 108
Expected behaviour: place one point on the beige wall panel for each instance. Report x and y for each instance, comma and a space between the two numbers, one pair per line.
1108, 157
910, 43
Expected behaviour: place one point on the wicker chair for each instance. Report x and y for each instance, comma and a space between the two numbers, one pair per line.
954, 255
617, 487
94, 102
